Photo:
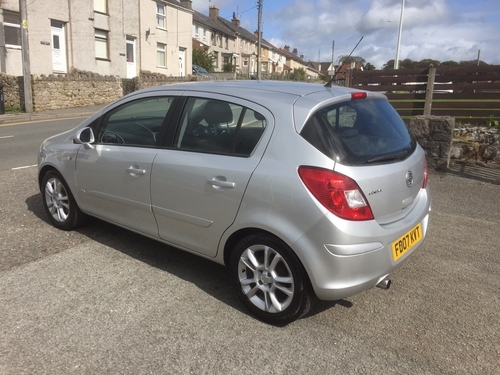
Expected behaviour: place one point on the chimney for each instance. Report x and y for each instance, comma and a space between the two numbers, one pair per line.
187, 4
302, 57
256, 33
286, 48
213, 12
235, 21
295, 51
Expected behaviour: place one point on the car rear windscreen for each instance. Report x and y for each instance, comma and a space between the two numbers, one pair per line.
359, 132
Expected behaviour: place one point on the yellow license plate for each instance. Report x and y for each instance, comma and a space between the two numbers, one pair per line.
403, 244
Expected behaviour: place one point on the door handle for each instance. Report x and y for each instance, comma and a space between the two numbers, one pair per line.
136, 171
220, 183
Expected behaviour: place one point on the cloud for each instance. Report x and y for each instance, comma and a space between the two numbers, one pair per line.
432, 29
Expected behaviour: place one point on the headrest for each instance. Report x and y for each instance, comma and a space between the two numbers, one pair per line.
217, 112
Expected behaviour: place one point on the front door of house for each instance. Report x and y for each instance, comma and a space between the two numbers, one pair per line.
182, 62
59, 64
131, 56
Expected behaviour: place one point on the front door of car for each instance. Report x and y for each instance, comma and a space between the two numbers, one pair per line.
198, 183
113, 178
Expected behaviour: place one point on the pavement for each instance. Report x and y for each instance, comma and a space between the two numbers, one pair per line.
12, 118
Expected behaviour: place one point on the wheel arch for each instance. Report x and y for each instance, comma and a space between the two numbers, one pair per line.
237, 236
43, 171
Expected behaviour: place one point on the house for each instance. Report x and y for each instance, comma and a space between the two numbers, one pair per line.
221, 41
246, 43
326, 69
292, 60
109, 37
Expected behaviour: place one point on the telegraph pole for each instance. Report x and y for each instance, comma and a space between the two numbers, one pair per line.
28, 99
259, 32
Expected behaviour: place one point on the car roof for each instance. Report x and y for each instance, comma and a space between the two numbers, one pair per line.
276, 87
274, 95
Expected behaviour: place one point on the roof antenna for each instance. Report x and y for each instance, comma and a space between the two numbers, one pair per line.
329, 84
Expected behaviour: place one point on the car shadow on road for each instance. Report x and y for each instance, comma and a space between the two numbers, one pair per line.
208, 276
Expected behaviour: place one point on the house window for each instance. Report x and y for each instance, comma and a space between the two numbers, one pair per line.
161, 55
196, 31
213, 39
160, 16
204, 34
12, 29
101, 6
101, 44
226, 43
245, 62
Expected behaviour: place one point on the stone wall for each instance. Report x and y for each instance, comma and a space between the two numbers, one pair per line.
80, 88
74, 90
12, 90
435, 135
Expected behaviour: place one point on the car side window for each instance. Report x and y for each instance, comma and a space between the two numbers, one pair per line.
137, 123
216, 126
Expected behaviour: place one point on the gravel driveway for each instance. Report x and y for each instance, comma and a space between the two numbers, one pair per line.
104, 300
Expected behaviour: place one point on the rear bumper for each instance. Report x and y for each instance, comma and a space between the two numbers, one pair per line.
362, 255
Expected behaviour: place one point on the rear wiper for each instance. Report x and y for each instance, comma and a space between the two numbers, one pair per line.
394, 156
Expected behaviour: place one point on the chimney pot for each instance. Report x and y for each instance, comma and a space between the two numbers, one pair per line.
187, 4
213, 12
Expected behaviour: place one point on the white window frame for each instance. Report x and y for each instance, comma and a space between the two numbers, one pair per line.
161, 16
161, 50
16, 26
101, 39
101, 6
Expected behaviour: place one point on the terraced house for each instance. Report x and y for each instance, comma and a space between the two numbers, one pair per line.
109, 37
123, 37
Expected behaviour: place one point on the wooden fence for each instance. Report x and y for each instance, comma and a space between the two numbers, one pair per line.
469, 94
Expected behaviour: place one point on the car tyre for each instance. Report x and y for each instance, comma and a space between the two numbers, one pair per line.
59, 202
270, 279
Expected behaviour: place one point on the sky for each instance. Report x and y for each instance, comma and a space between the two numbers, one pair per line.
442, 30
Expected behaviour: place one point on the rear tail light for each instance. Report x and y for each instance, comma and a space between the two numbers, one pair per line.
426, 174
336, 192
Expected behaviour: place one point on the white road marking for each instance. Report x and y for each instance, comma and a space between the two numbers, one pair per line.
26, 166
7, 136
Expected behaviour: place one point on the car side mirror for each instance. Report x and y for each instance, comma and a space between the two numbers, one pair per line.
85, 137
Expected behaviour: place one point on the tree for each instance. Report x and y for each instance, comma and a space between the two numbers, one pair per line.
369, 66
347, 60
228, 67
203, 58
298, 74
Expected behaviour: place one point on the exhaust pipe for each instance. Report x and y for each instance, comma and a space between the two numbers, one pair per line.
384, 284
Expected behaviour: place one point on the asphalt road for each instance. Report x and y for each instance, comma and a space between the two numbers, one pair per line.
19, 143
102, 300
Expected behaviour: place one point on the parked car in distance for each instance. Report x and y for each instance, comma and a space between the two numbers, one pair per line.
301, 190
199, 71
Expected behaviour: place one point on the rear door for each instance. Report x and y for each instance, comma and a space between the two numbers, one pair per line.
198, 183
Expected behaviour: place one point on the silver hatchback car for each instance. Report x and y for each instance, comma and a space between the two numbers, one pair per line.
302, 191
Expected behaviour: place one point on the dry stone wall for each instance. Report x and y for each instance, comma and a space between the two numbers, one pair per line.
435, 135
81, 88
73, 90
12, 91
